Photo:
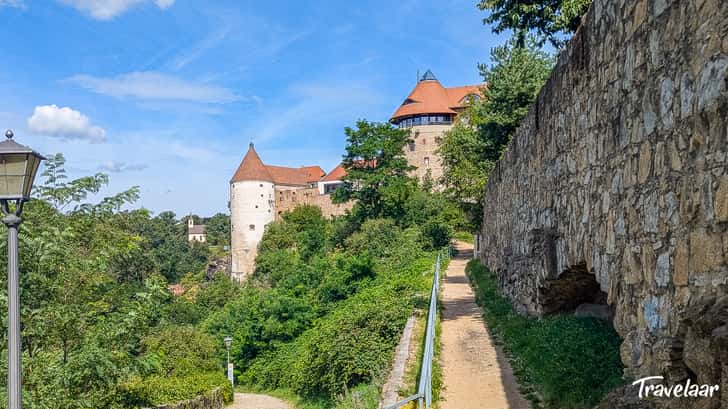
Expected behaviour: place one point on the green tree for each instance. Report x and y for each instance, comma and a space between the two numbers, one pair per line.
376, 170
218, 230
470, 150
550, 20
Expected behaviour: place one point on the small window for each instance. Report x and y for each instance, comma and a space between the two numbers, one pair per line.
256, 206
261, 195
412, 146
427, 161
261, 185
251, 227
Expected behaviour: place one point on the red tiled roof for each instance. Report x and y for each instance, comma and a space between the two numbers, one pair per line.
252, 168
430, 97
337, 173
294, 176
313, 173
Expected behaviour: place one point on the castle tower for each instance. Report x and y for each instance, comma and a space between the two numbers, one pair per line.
429, 111
252, 201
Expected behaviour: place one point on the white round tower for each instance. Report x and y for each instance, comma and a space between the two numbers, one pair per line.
252, 207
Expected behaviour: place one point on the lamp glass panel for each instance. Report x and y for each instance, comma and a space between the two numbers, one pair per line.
33, 163
12, 174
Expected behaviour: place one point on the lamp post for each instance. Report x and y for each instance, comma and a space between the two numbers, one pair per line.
228, 342
18, 166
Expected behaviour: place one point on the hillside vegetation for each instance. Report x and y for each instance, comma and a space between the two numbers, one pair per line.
319, 317
325, 308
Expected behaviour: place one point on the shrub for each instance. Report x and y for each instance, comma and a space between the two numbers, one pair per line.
159, 390
351, 345
182, 350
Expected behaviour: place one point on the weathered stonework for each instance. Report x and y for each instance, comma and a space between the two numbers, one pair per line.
619, 175
289, 199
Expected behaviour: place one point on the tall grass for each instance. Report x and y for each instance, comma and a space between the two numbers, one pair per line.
562, 361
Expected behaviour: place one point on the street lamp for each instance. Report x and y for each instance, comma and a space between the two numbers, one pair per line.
228, 342
18, 166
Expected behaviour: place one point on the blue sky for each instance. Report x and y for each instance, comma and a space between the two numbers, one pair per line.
167, 94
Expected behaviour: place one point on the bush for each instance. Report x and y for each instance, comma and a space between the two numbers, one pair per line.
352, 345
182, 350
159, 390
572, 362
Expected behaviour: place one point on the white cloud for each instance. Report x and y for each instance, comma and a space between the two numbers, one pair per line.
118, 167
64, 123
150, 85
108, 9
12, 3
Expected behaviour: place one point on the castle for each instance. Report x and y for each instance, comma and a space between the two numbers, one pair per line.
260, 193
429, 111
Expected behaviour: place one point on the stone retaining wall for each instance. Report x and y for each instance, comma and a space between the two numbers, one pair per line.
614, 190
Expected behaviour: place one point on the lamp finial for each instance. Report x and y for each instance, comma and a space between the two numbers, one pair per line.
9, 134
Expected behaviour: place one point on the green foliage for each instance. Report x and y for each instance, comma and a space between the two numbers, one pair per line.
218, 230
572, 362
181, 351
376, 170
514, 79
158, 389
551, 20
167, 242
96, 312
470, 150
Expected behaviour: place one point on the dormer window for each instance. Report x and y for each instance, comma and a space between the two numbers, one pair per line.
467, 98
408, 101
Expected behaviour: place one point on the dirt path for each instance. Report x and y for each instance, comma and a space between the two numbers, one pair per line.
476, 375
255, 401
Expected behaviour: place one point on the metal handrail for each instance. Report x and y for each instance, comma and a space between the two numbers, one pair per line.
424, 391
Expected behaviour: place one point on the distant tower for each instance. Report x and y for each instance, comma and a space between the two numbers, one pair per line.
429, 111
252, 201
190, 222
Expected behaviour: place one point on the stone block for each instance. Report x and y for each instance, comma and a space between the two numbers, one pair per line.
681, 264
721, 200
645, 163
706, 253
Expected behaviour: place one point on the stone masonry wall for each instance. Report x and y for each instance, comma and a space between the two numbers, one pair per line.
619, 175
289, 199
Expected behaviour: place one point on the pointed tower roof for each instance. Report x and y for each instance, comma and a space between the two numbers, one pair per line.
252, 168
429, 76
430, 97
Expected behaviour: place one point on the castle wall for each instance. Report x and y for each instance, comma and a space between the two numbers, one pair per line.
424, 156
288, 199
252, 206
619, 173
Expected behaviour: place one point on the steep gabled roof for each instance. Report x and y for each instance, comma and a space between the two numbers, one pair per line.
430, 97
283, 175
197, 229
252, 168
313, 173
337, 173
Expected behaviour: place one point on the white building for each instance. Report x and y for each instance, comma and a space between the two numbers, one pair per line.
196, 232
